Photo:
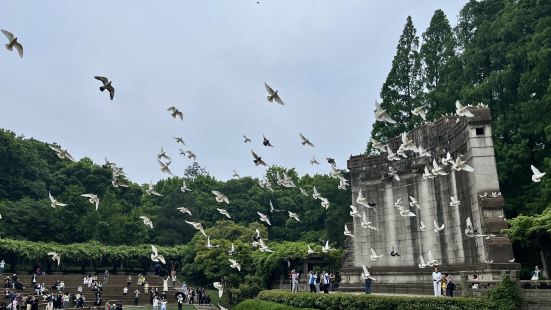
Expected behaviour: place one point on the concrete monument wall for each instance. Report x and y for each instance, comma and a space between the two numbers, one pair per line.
454, 251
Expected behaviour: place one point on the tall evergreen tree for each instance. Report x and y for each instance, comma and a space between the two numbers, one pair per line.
441, 68
400, 92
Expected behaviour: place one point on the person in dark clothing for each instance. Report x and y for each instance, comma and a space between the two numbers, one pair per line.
451, 287
34, 305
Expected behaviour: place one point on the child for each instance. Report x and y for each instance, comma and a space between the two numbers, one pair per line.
450, 287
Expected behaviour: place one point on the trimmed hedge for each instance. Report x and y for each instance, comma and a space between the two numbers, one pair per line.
263, 305
340, 301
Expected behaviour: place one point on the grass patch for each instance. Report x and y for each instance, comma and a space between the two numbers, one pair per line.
264, 305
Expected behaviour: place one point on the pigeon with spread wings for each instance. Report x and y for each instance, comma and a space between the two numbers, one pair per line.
273, 95
107, 85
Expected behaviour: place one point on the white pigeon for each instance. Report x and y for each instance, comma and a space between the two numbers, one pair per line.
222, 308
326, 248
165, 167
220, 197
392, 173
305, 141
347, 232
461, 165
293, 215
272, 209
93, 199
343, 184
378, 145
420, 112
430, 260
407, 143
537, 175
310, 251
437, 228
209, 245
184, 210
427, 174
147, 221
184, 187
54, 203
264, 247
151, 190
361, 200
12, 42
287, 181
460, 110
447, 160
489, 261
314, 161
398, 203
364, 222
413, 202
219, 287
391, 155
469, 229
197, 226
325, 203
303, 192
224, 212
422, 152
511, 260
61, 153
366, 274
273, 95
422, 226
155, 255
436, 169
382, 115
234, 264
264, 218
422, 263
315, 194
454, 202
231, 251
55, 257
406, 212
374, 255
354, 212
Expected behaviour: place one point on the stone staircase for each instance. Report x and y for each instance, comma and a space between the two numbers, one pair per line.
112, 290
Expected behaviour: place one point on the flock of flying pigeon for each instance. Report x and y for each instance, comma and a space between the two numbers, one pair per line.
164, 161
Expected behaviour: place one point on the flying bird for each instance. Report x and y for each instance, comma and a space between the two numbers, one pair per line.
209, 245
165, 167
437, 228
151, 190
361, 200
382, 115
232, 251
325, 203
422, 226
13, 43
61, 153
107, 85
93, 199
354, 212
272, 209
315, 194
247, 140
413, 202
155, 255
313, 161
264, 218
184, 210
224, 212
162, 155
234, 264
305, 141
420, 112
174, 112
374, 255
460, 110
447, 160
347, 232
436, 169
293, 215
179, 140
55, 257
266, 142
263, 247
378, 145
273, 95
191, 155
147, 221
197, 226
219, 287
461, 165
537, 175
310, 251
326, 247
219, 197
55, 203
184, 187
235, 174
257, 159
331, 161
469, 229
454, 202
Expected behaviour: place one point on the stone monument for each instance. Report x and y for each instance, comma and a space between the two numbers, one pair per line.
484, 255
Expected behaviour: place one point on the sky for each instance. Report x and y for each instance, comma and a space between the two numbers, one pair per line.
209, 58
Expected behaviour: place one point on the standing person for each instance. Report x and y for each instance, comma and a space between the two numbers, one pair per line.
2, 265
34, 281
34, 305
125, 291
536, 274
294, 280
165, 284
367, 280
451, 287
129, 280
163, 303
173, 277
180, 300
136, 297
436, 281
326, 281
105, 276
29, 302
444, 285
312, 281
318, 281
155, 303
146, 287
66, 297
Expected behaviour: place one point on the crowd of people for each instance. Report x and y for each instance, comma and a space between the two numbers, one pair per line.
191, 295
317, 281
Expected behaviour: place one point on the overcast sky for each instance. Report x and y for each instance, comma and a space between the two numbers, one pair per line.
210, 58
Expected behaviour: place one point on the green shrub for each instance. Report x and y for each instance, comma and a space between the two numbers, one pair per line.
504, 295
264, 305
371, 302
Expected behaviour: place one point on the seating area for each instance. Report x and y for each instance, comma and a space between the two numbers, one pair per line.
112, 290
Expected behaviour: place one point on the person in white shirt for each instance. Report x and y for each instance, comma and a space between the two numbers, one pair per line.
437, 282
2, 265
535, 274
294, 281
326, 281
125, 290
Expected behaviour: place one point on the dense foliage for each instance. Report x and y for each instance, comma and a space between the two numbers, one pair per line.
504, 295
372, 302
499, 54
264, 305
29, 170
